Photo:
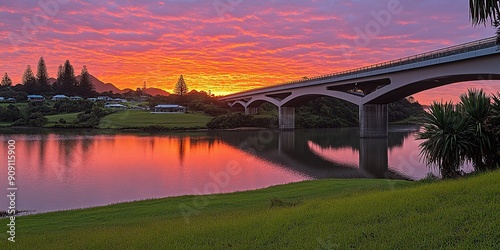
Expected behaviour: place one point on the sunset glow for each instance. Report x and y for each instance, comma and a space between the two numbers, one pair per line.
228, 46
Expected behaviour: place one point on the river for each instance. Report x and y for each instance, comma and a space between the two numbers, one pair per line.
75, 169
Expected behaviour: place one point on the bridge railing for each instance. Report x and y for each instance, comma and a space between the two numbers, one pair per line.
453, 50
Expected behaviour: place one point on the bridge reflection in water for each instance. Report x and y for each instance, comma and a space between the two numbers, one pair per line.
323, 153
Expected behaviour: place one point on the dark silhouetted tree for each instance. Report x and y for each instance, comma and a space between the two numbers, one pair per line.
42, 77
181, 87
66, 80
56, 86
85, 87
29, 81
6, 81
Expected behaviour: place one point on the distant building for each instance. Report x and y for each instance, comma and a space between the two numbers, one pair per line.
115, 106
119, 100
168, 108
59, 97
92, 99
75, 98
104, 98
36, 98
2, 99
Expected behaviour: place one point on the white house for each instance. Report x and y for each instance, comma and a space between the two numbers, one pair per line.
2, 99
119, 100
115, 106
36, 98
59, 97
75, 98
104, 98
168, 108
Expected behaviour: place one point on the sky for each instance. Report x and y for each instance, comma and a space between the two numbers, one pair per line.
227, 46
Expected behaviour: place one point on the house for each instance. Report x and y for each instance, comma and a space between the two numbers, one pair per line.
2, 99
36, 98
75, 98
92, 99
168, 108
59, 98
115, 106
104, 98
118, 100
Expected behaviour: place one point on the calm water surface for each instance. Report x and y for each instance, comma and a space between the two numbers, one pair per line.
67, 170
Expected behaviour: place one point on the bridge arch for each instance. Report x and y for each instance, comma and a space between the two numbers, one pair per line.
298, 97
232, 104
257, 101
400, 90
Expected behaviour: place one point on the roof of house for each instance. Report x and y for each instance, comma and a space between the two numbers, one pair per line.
35, 96
168, 106
60, 96
115, 105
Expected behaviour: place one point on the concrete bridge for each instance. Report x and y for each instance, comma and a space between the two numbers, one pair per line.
373, 87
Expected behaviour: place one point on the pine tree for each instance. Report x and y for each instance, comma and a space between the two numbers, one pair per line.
181, 87
6, 81
68, 83
57, 86
86, 87
42, 77
29, 81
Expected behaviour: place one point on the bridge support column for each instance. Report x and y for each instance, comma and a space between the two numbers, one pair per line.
287, 117
250, 111
373, 120
373, 158
286, 141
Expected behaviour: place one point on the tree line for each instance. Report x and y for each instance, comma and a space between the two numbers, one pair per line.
66, 82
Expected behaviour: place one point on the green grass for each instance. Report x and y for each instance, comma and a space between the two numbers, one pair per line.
140, 119
70, 117
323, 214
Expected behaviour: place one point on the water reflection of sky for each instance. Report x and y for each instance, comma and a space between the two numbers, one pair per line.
65, 171
403, 158
62, 172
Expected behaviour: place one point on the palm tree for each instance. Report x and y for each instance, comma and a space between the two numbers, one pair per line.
475, 107
446, 139
483, 10
494, 128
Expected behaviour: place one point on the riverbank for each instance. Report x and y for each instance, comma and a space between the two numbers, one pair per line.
321, 214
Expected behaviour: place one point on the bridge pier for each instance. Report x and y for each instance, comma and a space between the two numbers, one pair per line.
287, 117
373, 156
286, 141
373, 120
250, 111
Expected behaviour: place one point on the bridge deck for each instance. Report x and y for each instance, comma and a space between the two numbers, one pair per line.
375, 68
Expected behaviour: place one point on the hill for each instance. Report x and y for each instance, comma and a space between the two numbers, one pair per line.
100, 87
156, 91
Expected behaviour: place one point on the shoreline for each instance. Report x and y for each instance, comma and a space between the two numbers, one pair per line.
159, 129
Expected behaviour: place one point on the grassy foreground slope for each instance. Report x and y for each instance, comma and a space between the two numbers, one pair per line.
323, 214
139, 118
